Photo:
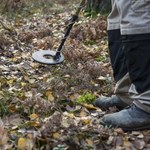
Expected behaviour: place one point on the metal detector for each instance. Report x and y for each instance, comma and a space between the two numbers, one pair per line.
52, 57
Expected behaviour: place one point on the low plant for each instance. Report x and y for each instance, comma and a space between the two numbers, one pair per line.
87, 97
4, 103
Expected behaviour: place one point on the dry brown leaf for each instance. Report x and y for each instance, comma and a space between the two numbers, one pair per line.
49, 95
33, 116
89, 106
3, 134
139, 144
30, 142
14, 120
86, 120
22, 144
12, 108
83, 113
110, 140
127, 144
74, 96
90, 142
56, 135
1, 93
33, 124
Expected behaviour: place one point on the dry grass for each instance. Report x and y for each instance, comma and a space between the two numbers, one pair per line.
18, 5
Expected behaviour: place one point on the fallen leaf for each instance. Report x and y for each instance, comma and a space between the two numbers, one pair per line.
32, 124
14, 59
12, 108
14, 120
90, 142
23, 84
65, 123
1, 94
56, 135
74, 96
33, 116
3, 134
110, 140
22, 145
86, 120
102, 78
139, 144
141, 136
30, 142
127, 144
89, 106
70, 115
49, 95
118, 140
10, 81
83, 113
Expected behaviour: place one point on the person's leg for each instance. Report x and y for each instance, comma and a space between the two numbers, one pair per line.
137, 49
121, 98
137, 116
136, 44
118, 62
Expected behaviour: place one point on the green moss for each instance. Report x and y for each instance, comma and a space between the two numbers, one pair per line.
86, 98
100, 59
91, 13
89, 42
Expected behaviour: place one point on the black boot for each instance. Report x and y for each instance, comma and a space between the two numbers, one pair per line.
106, 102
129, 119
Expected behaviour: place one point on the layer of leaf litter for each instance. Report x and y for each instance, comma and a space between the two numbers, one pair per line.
38, 103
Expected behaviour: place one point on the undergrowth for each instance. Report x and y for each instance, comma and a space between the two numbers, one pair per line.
4, 102
87, 97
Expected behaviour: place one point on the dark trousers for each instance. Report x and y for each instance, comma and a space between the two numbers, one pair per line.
117, 55
130, 54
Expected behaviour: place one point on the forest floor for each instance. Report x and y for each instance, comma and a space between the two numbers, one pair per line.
46, 107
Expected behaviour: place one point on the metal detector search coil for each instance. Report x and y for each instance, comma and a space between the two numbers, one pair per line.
52, 57
40, 56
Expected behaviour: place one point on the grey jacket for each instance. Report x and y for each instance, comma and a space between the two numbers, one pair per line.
130, 16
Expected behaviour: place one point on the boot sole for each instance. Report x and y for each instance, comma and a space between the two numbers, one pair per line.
137, 129
127, 129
